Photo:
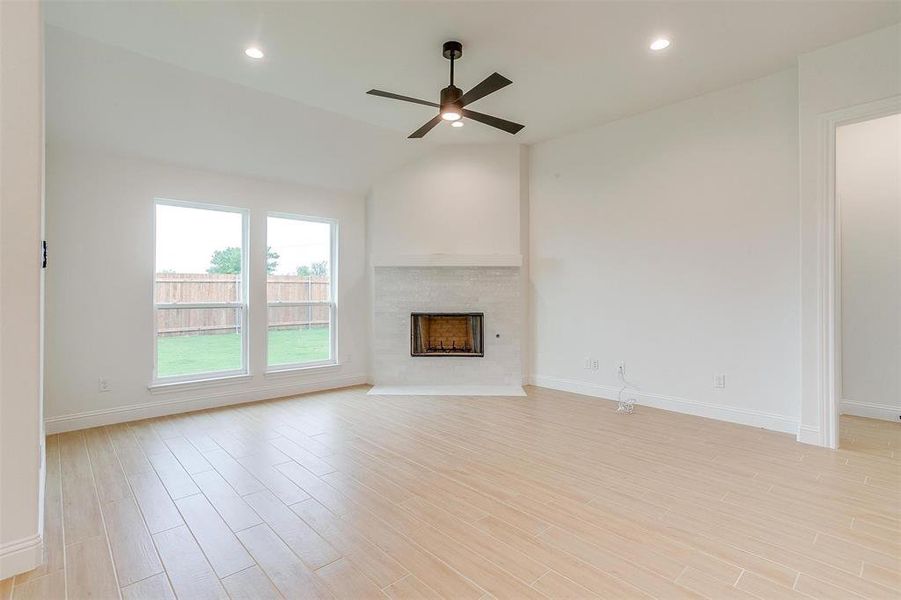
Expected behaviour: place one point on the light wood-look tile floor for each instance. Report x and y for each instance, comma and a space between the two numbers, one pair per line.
339, 494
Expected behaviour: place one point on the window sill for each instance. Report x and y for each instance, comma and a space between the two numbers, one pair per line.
174, 386
299, 369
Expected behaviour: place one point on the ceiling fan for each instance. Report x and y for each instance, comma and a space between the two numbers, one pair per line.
453, 100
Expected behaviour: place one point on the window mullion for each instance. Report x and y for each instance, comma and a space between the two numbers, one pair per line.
198, 305
276, 304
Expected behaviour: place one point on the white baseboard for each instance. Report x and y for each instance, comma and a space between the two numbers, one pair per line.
21, 555
871, 410
122, 414
809, 435
447, 390
743, 416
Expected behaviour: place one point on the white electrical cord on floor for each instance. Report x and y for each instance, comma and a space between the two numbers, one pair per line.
626, 406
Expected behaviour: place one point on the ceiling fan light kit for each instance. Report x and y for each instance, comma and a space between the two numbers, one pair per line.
453, 100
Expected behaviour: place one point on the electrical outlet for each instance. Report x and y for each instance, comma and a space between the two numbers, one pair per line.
103, 385
586, 363
595, 364
719, 381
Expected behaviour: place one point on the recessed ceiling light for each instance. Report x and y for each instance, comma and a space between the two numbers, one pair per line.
254, 52
457, 124
660, 44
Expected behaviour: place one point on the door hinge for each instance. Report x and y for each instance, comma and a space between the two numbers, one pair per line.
44, 254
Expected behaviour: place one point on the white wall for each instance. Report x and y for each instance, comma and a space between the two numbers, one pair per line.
868, 186
669, 241
100, 215
860, 70
21, 197
454, 200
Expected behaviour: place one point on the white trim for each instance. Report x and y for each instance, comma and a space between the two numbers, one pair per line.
312, 367
447, 260
446, 390
197, 379
296, 217
194, 384
828, 346
21, 555
872, 410
122, 414
809, 435
196, 305
202, 205
742, 416
280, 304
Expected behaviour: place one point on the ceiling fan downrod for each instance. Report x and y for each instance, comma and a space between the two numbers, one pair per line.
450, 95
452, 51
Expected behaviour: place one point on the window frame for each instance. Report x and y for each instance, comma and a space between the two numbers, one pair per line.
244, 305
332, 302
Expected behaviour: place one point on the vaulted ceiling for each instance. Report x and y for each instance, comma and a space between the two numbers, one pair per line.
155, 74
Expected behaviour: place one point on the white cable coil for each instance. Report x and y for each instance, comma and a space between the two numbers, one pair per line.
626, 406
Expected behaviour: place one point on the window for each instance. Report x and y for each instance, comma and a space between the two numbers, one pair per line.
300, 291
200, 292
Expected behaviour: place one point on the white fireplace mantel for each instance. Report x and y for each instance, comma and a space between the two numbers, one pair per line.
446, 260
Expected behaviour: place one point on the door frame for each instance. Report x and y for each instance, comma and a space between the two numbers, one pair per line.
829, 348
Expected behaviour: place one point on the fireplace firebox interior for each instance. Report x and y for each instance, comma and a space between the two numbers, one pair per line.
446, 334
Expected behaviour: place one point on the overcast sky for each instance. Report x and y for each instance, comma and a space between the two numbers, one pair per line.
187, 237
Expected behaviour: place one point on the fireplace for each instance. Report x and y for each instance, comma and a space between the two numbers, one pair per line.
446, 334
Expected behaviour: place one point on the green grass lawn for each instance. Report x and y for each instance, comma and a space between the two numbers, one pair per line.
189, 354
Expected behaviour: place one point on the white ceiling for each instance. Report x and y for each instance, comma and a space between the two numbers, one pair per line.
114, 100
573, 65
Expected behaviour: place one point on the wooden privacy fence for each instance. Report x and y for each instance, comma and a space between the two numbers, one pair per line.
200, 288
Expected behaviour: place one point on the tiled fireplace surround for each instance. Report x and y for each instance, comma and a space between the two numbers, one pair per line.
400, 291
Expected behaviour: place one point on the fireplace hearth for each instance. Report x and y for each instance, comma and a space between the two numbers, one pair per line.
447, 334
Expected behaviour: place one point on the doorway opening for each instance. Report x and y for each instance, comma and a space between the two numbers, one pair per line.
867, 285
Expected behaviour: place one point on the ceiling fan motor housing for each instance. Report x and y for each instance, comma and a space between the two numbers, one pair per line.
450, 96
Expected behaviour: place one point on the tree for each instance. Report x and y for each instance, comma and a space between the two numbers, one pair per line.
317, 269
229, 261
271, 260
226, 261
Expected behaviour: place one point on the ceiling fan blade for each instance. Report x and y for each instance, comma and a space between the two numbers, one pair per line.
508, 126
426, 128
399, 97
489, 85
